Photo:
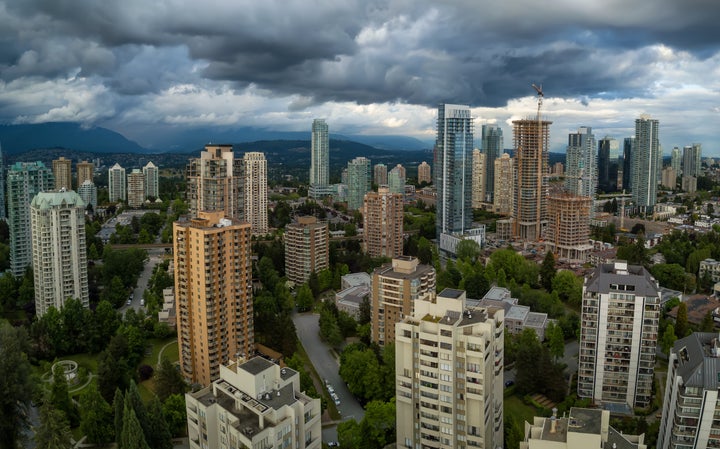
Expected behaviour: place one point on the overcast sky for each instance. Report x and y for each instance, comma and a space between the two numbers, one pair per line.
367, 66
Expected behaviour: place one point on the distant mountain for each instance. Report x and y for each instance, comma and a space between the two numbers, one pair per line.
20, 138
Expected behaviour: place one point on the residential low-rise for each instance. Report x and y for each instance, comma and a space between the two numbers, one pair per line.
517, 317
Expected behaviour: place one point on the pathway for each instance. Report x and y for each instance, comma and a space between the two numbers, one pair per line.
163, 349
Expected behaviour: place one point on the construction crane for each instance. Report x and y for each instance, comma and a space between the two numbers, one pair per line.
541, 95
540, 192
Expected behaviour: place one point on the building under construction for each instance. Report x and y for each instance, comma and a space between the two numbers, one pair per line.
568, 231
531, 141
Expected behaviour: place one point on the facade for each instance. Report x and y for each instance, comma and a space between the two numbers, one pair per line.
532, 139
152, 181
479, 172
136, 188
215, 182
618, 336
492, 146
117, 183
646, 162
692, 160
57, 221
690, 406
581, 175
669, 178
582, 428
383, 215
62, 172
711, 268
568, 231
380, 174
24, 181
319, 158
608, 164
424, 173
453, 169
88, 193
449, 374
307, 248
628, 145
256, 196
85, 171
253, 404
396, 179
688, 184
213, 294
676, 160
358, 181
396, 287
504, 191
3, 214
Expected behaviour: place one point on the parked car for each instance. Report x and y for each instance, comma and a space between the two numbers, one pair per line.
129, 301
509, 383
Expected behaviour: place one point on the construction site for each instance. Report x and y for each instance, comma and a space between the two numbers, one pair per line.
568, 231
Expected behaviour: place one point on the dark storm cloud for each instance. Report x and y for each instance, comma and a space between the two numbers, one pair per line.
418, 52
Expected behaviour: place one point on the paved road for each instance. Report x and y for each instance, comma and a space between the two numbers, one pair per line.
327, 368
155, 256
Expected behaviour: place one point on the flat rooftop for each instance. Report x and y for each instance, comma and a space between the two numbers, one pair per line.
256, 365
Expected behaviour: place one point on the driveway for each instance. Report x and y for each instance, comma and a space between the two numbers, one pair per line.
327, 367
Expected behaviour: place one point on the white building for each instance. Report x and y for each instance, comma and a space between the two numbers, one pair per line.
691, 408
152, 182
88, 193
449, 374
255, 404
58, 243
618, 337
117, 183
256, 196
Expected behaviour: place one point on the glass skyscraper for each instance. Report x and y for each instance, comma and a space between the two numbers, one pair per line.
645, 163
492, 147
581, 163
319, 159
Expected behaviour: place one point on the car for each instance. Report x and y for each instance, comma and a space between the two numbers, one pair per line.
331, 390
142, 302
129, 301
333, 444
337, 401
509, 383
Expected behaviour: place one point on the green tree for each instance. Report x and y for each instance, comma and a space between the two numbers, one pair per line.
132, 436
175, 414
60, 398
26, 291
468, 250
568, 287
513, 431
115, 293
556, 340
96, 416
54, 430
547, 271
112, 374
670, 275
681, 322
168, 380
526, 361
378, 424
668, 339
304, 299
360, 369
693, 261
8, 291
119, 410
708, 324
329, 329
349, 434
158, 435
365, 313
16, 385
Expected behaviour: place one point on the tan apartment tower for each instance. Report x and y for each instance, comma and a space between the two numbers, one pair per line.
532, 139
136, 188
85, 172
62, 171
256, 196
380, 174
213, 294
424, 173
479, 162
215, 182
568, 231
504, 192
396, 287
307, 248
449, 375
383, 223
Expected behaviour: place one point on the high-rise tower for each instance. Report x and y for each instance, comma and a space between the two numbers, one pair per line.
24, 181
152, 181
215, 182
646, 163
59, 255
492, 146
532, 138
424, 173
256, 202
480, 168
136, 188
628, 145
676, 160
608, 160
504, 184
3, 214
62, 171
692, 160
117, 183
581, 163
319, 159
359, 177
380, 174
213, 294
453, 169
383, 223
307, 248
85, 171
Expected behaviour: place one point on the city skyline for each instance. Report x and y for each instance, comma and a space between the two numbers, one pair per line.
368, 69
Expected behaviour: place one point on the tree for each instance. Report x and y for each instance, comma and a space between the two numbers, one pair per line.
54, 430
175, 414
526, 361
668, 339
365, 313
349, 434
360, 369
547, 271
670, 275
304, 299
378, 425
132, 436
59, 397
467, 250
119, 410
556, 340
112, 374
329, 329
158, 435
708, 323
168, 380
96, 416
476, 284
16, 385
681, 322
568, 287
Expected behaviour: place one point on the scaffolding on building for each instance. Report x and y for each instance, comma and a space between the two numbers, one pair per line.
568, 230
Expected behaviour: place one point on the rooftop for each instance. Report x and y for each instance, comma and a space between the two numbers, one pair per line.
451, 293
698, 361
632, 278
256, 365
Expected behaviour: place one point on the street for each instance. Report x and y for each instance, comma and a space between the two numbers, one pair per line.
155, 256
327, 368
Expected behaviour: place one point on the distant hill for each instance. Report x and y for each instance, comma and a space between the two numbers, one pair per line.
20, 138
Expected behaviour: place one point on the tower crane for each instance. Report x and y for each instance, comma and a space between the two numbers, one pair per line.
541, 95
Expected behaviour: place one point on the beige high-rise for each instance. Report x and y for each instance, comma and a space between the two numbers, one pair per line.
424, 173
479, 161
136, 188
307, 248
256, 197
213, 294
568, 231
396, 287
85, 172
383, 223
62, 171
532, 139
504, 193
215, 182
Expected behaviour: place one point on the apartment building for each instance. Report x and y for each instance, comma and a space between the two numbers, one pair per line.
62, 172
424, 173
136, 188
256, 196
117, 183
383, 214
85, 172
396, 287
253, 404
568, 231
618, 337
307, 248
152, 180
449, 374
215, 182
213, 294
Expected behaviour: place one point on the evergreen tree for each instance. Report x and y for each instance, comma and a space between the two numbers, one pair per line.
556, 340
176, 416
168, 380
119, 408
16, 386
708, 324
668, 339
681, 322
132, 436
133, 399
547, 271
96, 416
60, 398
54, 430
158, 436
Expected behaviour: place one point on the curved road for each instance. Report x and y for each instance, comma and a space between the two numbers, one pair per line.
327, 367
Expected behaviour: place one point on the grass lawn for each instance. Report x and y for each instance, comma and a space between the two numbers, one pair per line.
147, 390
155, 345
515, 405
85, 360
